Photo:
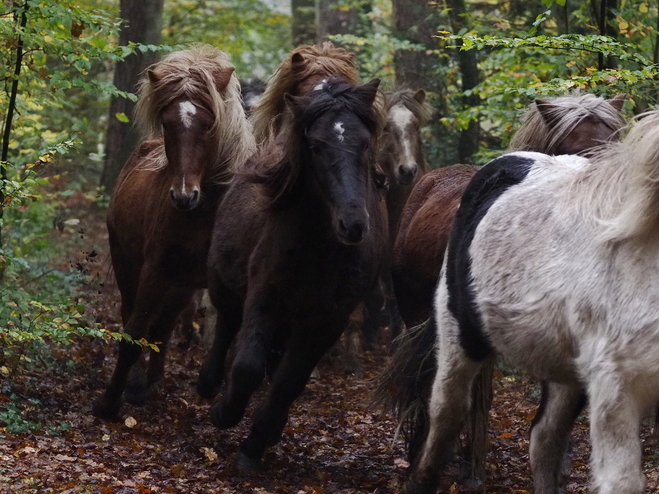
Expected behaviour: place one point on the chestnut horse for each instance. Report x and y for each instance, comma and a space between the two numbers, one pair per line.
569, 124
163, 207
304, 67
297, 243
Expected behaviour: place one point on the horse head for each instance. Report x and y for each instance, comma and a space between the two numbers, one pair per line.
573, 124
403, 139
189, 128
339, 127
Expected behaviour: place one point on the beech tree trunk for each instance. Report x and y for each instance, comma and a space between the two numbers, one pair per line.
417, 21
303, 24
335, 20
142, 24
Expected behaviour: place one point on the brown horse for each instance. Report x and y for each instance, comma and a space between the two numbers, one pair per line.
569, 124
299, 240
304, 67
163, 207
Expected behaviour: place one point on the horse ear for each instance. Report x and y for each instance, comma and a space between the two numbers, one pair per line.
369, 90
297, 61
546, 109
223, 77
420, 95
153, 76
618, 101
293, 103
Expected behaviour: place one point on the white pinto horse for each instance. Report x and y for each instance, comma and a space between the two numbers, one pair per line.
553, 262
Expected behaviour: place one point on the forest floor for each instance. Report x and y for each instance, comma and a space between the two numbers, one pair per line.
334, 442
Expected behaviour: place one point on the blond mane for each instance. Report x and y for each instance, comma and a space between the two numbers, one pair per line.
192, 74
304, 63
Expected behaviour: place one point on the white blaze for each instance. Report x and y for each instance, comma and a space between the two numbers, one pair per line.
320, 85
401, 117
338, 127
187, 111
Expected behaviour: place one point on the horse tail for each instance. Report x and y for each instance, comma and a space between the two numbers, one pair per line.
405, 386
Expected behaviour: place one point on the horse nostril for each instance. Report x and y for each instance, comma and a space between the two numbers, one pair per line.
172, 196
194, 197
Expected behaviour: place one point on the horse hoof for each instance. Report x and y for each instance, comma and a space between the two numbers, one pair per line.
105, 410
136, 395
223, 420
246, 464
206, 390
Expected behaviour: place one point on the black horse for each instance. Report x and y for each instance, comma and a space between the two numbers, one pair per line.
299, 240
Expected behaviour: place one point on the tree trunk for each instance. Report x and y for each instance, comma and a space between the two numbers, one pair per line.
417, 21
604, 15
142, 24
335, 20
468, 140
303, 24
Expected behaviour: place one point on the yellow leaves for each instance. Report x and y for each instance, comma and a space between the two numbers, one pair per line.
643, 8
210, 454
505, 435
130, 422
623, 26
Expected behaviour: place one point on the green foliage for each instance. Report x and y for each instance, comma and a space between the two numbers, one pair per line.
255, 36
64, 87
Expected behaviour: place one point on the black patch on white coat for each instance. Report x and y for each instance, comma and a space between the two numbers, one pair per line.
484, 189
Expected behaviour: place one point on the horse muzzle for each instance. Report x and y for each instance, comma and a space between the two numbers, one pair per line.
185, 201
405, 174
352, 230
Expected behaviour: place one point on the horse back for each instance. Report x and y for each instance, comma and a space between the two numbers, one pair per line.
486, 187
422, 238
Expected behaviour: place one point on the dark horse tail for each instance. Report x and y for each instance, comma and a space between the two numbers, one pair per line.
405, 386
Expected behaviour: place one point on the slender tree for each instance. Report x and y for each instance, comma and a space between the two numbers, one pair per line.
142, 24
468, 140
20, 18
335, 18
303, 24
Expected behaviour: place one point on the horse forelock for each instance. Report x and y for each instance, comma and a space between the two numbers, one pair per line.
567, 112
317, 61
190, 74
618, 191
405, 97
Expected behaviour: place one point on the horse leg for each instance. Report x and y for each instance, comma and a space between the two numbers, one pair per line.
559, 406
374, 303
395, 320
145, 310
226, 326
187, 321
351, 350
249, 365
289, 381
449, 404
174, 303
477, 438
615, 417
